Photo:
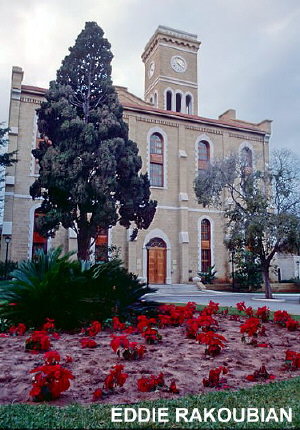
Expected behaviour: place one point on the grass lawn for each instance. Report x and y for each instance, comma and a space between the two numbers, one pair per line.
284, 394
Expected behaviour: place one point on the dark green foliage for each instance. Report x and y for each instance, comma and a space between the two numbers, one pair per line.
209, 276
6, 269
248, 271
89, 169
114, 289
6, 159
54, 286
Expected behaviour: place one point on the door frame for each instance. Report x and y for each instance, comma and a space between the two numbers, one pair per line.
156, 232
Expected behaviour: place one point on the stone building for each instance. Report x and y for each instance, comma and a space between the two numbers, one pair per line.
174, 143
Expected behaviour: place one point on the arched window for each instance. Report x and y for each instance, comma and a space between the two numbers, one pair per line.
203, 155
205, 245
101, 245
38, 241
151, 100
156, 160
169, 100
188, 104
178, 102
246, 160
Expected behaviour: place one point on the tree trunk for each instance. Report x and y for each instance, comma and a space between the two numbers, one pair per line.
266, 277
83, 244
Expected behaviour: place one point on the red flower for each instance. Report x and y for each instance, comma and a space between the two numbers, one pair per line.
214, 377
173, 388
146, 385
280, 317
117, 325
88, 343
291, 324
68, 359
97, 394
50, 382
119, 341
18, 330
292, 359
251, 326
51, 357
263, 313
115, 377
38, 341
94, 328
213, 340
49, 324
152, 336
259, 374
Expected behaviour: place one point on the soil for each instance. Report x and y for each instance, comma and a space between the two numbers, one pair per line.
176, 357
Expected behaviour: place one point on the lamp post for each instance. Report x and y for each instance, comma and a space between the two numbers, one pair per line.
7, 241
232, 267
148, 246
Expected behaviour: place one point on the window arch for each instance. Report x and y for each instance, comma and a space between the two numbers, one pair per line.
205, 245
156, 160
188, 104
38, 241
169, 100
246, 160
203, 155
178, 99
101, 245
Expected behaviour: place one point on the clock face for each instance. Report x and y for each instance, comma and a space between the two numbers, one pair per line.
151, 69
178, 64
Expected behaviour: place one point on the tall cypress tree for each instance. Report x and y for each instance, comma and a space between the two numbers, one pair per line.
89, 169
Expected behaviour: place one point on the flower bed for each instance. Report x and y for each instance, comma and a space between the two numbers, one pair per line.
183, 361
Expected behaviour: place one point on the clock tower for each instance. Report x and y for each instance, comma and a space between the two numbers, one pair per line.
170, 59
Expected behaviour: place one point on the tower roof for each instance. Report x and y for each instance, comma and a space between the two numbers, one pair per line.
168, 34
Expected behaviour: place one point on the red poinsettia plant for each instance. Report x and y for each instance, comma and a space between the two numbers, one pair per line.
18, 330
93, 329
260, 374
38, 342
152, 336
214, 342
280, 317
203, 322
88, 343
214, 379
263, 313
292, 325
292, 360
251, 329
243, 308
49, 325
115, 378
128, 350
51, 358
49, 382
152, 383
211, 308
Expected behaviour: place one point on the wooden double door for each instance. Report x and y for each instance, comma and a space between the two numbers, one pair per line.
157, 262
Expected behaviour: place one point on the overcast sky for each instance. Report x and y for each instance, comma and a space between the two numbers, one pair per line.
249, 59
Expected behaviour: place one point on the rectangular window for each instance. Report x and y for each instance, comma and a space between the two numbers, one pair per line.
156, 175
205, 259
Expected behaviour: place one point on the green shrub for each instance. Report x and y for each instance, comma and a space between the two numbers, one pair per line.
248, 274
208, 276
53, 286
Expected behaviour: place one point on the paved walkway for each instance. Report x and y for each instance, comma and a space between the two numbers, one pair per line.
183, 293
